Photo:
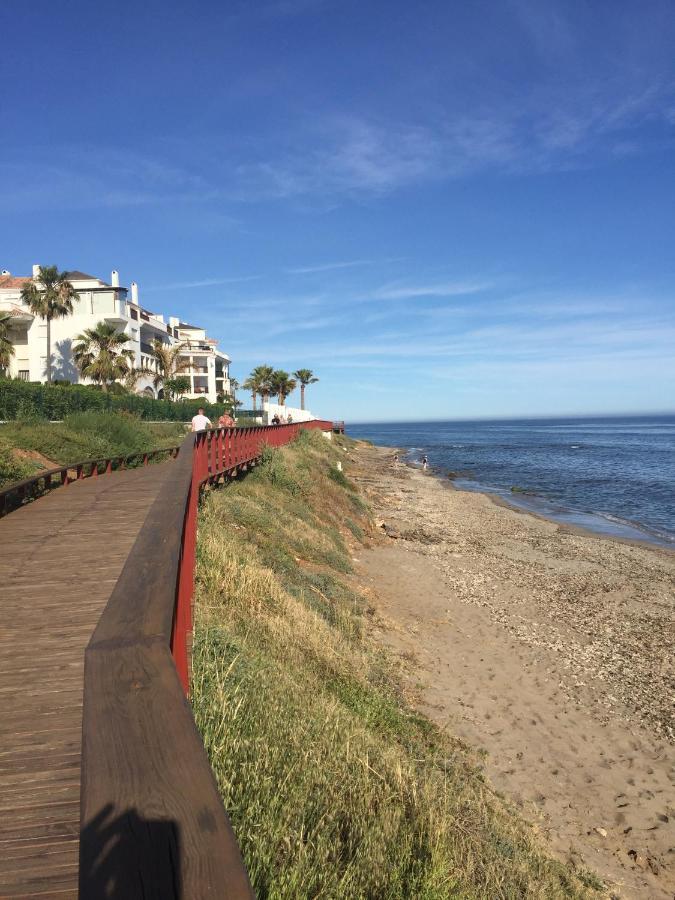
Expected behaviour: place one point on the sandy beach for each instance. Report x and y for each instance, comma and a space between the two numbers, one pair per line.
549, 650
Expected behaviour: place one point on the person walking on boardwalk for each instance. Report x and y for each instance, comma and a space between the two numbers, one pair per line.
226, 421
200, 421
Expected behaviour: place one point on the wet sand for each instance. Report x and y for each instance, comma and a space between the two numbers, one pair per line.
547, 648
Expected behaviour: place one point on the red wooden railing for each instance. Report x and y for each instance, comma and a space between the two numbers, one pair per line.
152, 821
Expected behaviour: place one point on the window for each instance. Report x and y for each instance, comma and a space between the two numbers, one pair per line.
24, 374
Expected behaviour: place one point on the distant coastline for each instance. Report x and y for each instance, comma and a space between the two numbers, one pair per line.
514, 420
610, 475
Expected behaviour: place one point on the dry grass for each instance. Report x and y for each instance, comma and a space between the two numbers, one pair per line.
335, 788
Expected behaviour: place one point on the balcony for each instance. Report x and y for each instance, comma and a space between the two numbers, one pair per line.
147, 348
20, 314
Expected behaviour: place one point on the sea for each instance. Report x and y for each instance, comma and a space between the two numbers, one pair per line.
613, 476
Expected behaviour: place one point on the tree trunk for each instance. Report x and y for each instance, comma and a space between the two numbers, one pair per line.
49, 350
302, 396
253, 397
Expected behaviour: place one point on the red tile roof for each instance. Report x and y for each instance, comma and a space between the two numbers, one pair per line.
13, 281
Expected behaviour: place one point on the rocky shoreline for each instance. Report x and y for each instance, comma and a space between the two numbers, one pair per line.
566, 642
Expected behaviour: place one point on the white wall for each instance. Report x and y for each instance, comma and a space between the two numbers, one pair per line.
299, 415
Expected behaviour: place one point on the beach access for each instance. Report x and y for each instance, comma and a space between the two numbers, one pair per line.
550, 648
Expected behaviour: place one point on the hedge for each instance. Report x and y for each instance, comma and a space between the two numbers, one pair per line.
28, 400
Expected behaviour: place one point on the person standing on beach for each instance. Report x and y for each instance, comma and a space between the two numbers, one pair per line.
425, 463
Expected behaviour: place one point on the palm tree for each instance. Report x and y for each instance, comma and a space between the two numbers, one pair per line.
262, 375
102, 354
134, 375
251, 385
234, 384
176, 386
282, 385
169, 361
49, 295
305, 377
6, 346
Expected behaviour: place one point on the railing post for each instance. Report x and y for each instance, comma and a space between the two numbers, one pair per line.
204, 447
213, 458
182, 621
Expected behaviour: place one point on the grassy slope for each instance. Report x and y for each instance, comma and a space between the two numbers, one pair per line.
81, 436
335, 787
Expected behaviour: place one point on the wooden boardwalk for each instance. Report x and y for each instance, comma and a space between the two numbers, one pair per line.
60, 558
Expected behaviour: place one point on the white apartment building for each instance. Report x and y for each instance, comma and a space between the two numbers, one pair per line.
208, 368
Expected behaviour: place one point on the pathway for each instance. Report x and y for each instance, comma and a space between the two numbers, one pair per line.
60, 558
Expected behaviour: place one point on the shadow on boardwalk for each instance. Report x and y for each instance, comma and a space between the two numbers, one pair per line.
126, 838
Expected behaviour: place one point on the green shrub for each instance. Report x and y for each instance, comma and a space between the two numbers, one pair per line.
21, 400
88, 435
12, 469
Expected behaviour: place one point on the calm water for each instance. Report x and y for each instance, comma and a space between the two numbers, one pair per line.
616, 476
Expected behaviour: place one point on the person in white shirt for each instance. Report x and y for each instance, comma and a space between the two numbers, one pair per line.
200, 421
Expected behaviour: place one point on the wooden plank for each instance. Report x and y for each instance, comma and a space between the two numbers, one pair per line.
48, 617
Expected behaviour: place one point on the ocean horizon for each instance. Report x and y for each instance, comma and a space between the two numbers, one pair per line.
614, 475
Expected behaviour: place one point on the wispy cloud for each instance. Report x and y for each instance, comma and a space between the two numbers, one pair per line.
446, 289
325, 159
205, 282
327, 267
577, 106
303, 325
93, 176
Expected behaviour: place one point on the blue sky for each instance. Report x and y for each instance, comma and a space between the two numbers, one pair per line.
444, 209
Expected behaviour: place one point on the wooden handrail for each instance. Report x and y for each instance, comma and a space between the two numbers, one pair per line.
152, 821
